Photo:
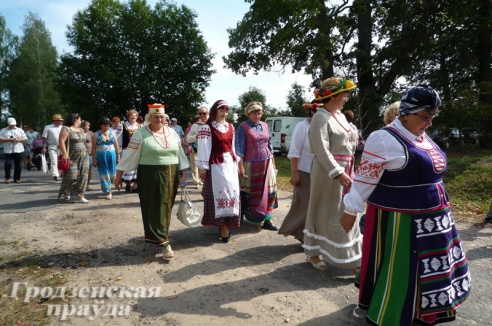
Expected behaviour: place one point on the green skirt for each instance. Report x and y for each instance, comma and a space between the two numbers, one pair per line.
157, 189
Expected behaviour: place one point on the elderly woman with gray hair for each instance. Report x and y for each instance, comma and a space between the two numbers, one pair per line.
257, 178
414, 269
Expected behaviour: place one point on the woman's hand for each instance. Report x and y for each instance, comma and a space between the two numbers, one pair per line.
344, 180
94, 163
294, 179
240, 169
203, 175
347, 222
182, 180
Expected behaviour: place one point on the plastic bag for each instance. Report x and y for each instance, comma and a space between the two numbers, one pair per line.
44, 164
188, 213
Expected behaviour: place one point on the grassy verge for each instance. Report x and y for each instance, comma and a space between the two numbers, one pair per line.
24, 270
468, 181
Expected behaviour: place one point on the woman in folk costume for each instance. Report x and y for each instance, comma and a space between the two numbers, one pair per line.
217, 163
129, 127
333, 144
301, 159
414, 269
155, 152
256, 168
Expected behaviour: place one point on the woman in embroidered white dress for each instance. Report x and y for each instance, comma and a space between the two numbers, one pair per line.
217, 163
333, 144
129, 127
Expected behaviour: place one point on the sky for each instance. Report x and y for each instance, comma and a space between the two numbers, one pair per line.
213, 18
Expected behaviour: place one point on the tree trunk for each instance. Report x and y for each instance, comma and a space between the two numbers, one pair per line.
484, 68
369, 100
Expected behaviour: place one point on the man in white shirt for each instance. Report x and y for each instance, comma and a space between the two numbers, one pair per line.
191, 139
51, 134
13, 140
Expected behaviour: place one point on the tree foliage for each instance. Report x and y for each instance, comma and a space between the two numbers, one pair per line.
33, 77
253, 94
385, 45
296, 101
8, 49
128, 55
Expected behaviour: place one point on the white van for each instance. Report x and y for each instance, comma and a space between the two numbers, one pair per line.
281, 129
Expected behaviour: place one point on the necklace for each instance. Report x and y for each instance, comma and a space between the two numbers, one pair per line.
349, 130
160, 138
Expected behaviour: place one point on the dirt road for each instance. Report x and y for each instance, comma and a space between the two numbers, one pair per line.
113, 278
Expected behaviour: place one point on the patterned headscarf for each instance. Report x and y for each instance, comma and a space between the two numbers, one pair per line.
419, 98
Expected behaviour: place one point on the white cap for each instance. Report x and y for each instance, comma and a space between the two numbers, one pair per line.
11, 122
174, 119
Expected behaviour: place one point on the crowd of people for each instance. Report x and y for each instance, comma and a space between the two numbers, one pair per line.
409, 263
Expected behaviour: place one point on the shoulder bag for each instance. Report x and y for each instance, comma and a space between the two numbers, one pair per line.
188, 213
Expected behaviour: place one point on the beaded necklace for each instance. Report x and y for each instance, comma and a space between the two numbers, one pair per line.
160, 138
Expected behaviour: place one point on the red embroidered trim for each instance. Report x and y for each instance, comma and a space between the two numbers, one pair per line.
370, 169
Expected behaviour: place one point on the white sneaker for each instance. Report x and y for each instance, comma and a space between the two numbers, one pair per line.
83, 201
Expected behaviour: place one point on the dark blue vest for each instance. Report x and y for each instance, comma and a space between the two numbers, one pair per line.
417, 186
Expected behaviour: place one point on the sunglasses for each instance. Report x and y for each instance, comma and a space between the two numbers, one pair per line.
202, 113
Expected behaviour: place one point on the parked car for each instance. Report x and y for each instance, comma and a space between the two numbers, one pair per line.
441, 138
281, 129
465, 135
446, 137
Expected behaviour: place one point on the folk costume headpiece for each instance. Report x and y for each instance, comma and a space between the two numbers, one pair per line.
419, 98
155, 109
311, 106
333, 86
253, 107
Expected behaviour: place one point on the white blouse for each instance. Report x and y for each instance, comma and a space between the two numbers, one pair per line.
205, 143
299, 147
131, 158
382, 151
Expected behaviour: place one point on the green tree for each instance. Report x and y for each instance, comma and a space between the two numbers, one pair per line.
8, 48
253, 94
296, 101
33, 77
128, 55
377, 41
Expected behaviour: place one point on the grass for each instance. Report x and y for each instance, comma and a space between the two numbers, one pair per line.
468, 181
14, 310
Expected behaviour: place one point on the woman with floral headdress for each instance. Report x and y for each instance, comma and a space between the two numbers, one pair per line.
333, 144
217, 163
301, 159
155, 152
256, 166
413, 270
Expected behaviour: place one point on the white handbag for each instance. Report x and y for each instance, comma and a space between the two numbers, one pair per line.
188, 213
44, 164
